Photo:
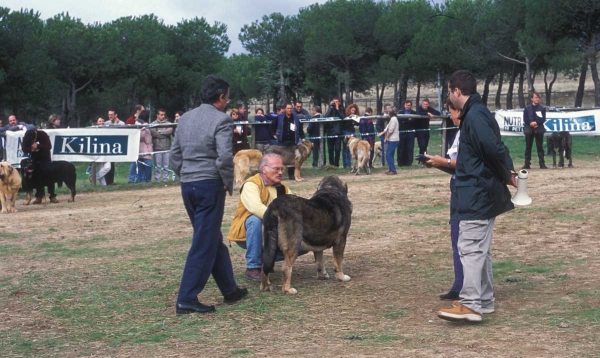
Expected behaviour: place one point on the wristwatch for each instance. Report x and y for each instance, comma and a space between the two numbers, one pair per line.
449, 162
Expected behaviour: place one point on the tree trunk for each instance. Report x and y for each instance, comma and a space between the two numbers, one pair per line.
418, 98
548, 86
511, 86
281, 85
596, 79
499, 90
581, 87
396, 93
379, 103
520, 90
403, 91
486, 87
347, 88
528, 73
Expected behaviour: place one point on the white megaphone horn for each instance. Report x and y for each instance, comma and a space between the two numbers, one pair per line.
521, 197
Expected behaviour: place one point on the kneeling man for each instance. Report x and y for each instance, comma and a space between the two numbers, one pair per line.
255, 195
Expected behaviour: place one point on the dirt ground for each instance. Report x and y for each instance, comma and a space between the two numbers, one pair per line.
99, 277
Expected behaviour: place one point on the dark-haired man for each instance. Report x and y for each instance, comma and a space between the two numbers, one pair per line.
313, 132
37, 144
202, 156
534, 117
407, 136
483, 169
161, 142
287, 131
422, 124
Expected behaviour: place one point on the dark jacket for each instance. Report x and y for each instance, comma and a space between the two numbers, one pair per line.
313, 127
483, 166
263, 131
423, 123
406, 123
334, 128
278, 127
43, 153
530, 115
381, 123
366, 126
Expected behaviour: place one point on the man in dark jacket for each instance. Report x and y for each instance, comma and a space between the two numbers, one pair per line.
37, 144
288, 131
534, 117
334, 129
407, 136
422, 124
483, 170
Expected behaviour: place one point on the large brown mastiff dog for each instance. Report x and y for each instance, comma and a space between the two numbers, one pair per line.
10, 182
292, 223
293, 156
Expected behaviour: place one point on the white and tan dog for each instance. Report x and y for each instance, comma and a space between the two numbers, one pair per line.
360, 151
245, 162
10, 182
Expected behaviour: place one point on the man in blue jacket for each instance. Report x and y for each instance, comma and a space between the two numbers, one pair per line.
422, 124
483, 171
534, 117
405, 150
288, 131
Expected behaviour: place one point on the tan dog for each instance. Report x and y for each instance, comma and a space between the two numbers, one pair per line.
360, 151
293, 156
377, 153
10, 182
245, 162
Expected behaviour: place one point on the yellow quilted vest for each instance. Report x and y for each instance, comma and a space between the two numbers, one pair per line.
237, 231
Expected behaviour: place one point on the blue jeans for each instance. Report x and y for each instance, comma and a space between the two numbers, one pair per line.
140, 171
383, 150
204, 202
389, 153
254, 244
346, 156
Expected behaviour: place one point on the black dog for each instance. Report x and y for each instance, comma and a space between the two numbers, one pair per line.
561, 143
46, 175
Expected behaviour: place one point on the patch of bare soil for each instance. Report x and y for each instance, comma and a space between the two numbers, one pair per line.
398, 255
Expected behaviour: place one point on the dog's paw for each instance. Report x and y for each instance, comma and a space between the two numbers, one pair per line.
344, 278
265, 287
324, 276
291, 291
70, 200
299, 179
4, 211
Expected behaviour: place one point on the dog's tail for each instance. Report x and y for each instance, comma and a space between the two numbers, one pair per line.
270, 237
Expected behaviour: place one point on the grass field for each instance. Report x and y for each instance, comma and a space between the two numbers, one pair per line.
99, 277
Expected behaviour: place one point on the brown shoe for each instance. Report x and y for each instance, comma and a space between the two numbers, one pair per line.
54, 200
391, 173
253, 274
37, 201
459, 313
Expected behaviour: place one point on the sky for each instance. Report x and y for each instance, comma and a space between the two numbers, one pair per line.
234, 13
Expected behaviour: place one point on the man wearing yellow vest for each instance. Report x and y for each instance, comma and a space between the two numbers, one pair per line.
255, 195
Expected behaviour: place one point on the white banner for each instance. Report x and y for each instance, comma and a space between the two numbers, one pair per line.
578, 123
113, 144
